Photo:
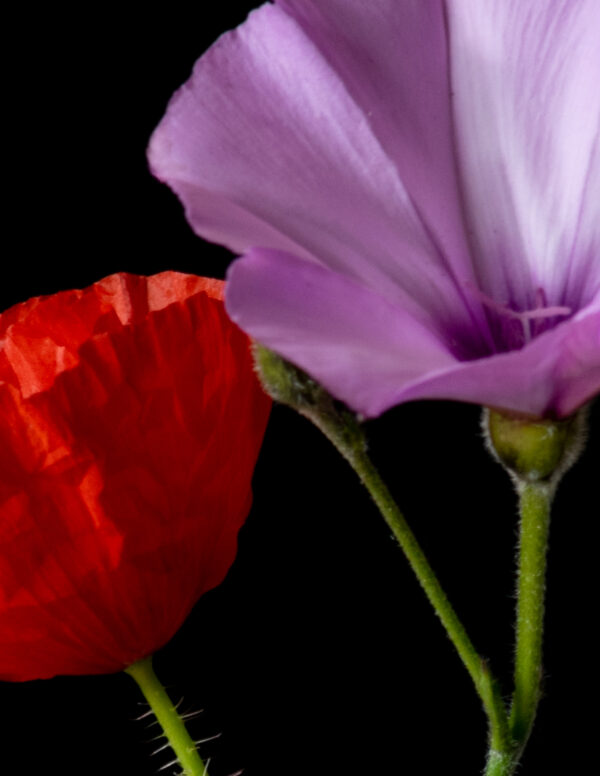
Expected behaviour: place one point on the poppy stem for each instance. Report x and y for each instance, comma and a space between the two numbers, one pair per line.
167, 716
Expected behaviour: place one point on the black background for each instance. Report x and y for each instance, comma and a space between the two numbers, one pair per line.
319, 653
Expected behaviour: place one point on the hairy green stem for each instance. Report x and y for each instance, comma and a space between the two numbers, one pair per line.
500, 764
477, 668
349, 441
536, 453
535, 502
167, 716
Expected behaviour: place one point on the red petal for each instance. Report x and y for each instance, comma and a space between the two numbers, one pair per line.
130, 422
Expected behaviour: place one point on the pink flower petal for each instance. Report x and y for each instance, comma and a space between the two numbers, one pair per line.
393, 59
373, 355
266, 146
358, 345
418, 186
554, 374
525, 80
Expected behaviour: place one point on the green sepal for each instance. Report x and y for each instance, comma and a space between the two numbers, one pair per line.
287, 384
535, 450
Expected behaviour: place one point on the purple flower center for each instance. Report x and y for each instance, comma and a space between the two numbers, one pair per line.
512, 329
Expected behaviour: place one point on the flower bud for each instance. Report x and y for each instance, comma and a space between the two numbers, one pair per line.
284, 382
288, 384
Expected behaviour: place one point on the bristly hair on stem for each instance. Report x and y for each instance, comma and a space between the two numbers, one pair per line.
171, 722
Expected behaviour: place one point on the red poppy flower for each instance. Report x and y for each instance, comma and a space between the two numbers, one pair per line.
130, 422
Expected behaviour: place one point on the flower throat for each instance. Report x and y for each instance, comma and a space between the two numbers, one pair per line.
513, 328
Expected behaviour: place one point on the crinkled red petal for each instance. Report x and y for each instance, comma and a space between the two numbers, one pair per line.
130, 423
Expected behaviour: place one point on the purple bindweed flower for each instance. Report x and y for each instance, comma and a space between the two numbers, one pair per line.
415, 188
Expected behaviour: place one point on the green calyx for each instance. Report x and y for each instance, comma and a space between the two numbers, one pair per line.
534, 450
287, 384
283, 381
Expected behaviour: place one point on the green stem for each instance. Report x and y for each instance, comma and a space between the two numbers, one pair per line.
535, 502
428, 580
500, 764
168, 718
345, 434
